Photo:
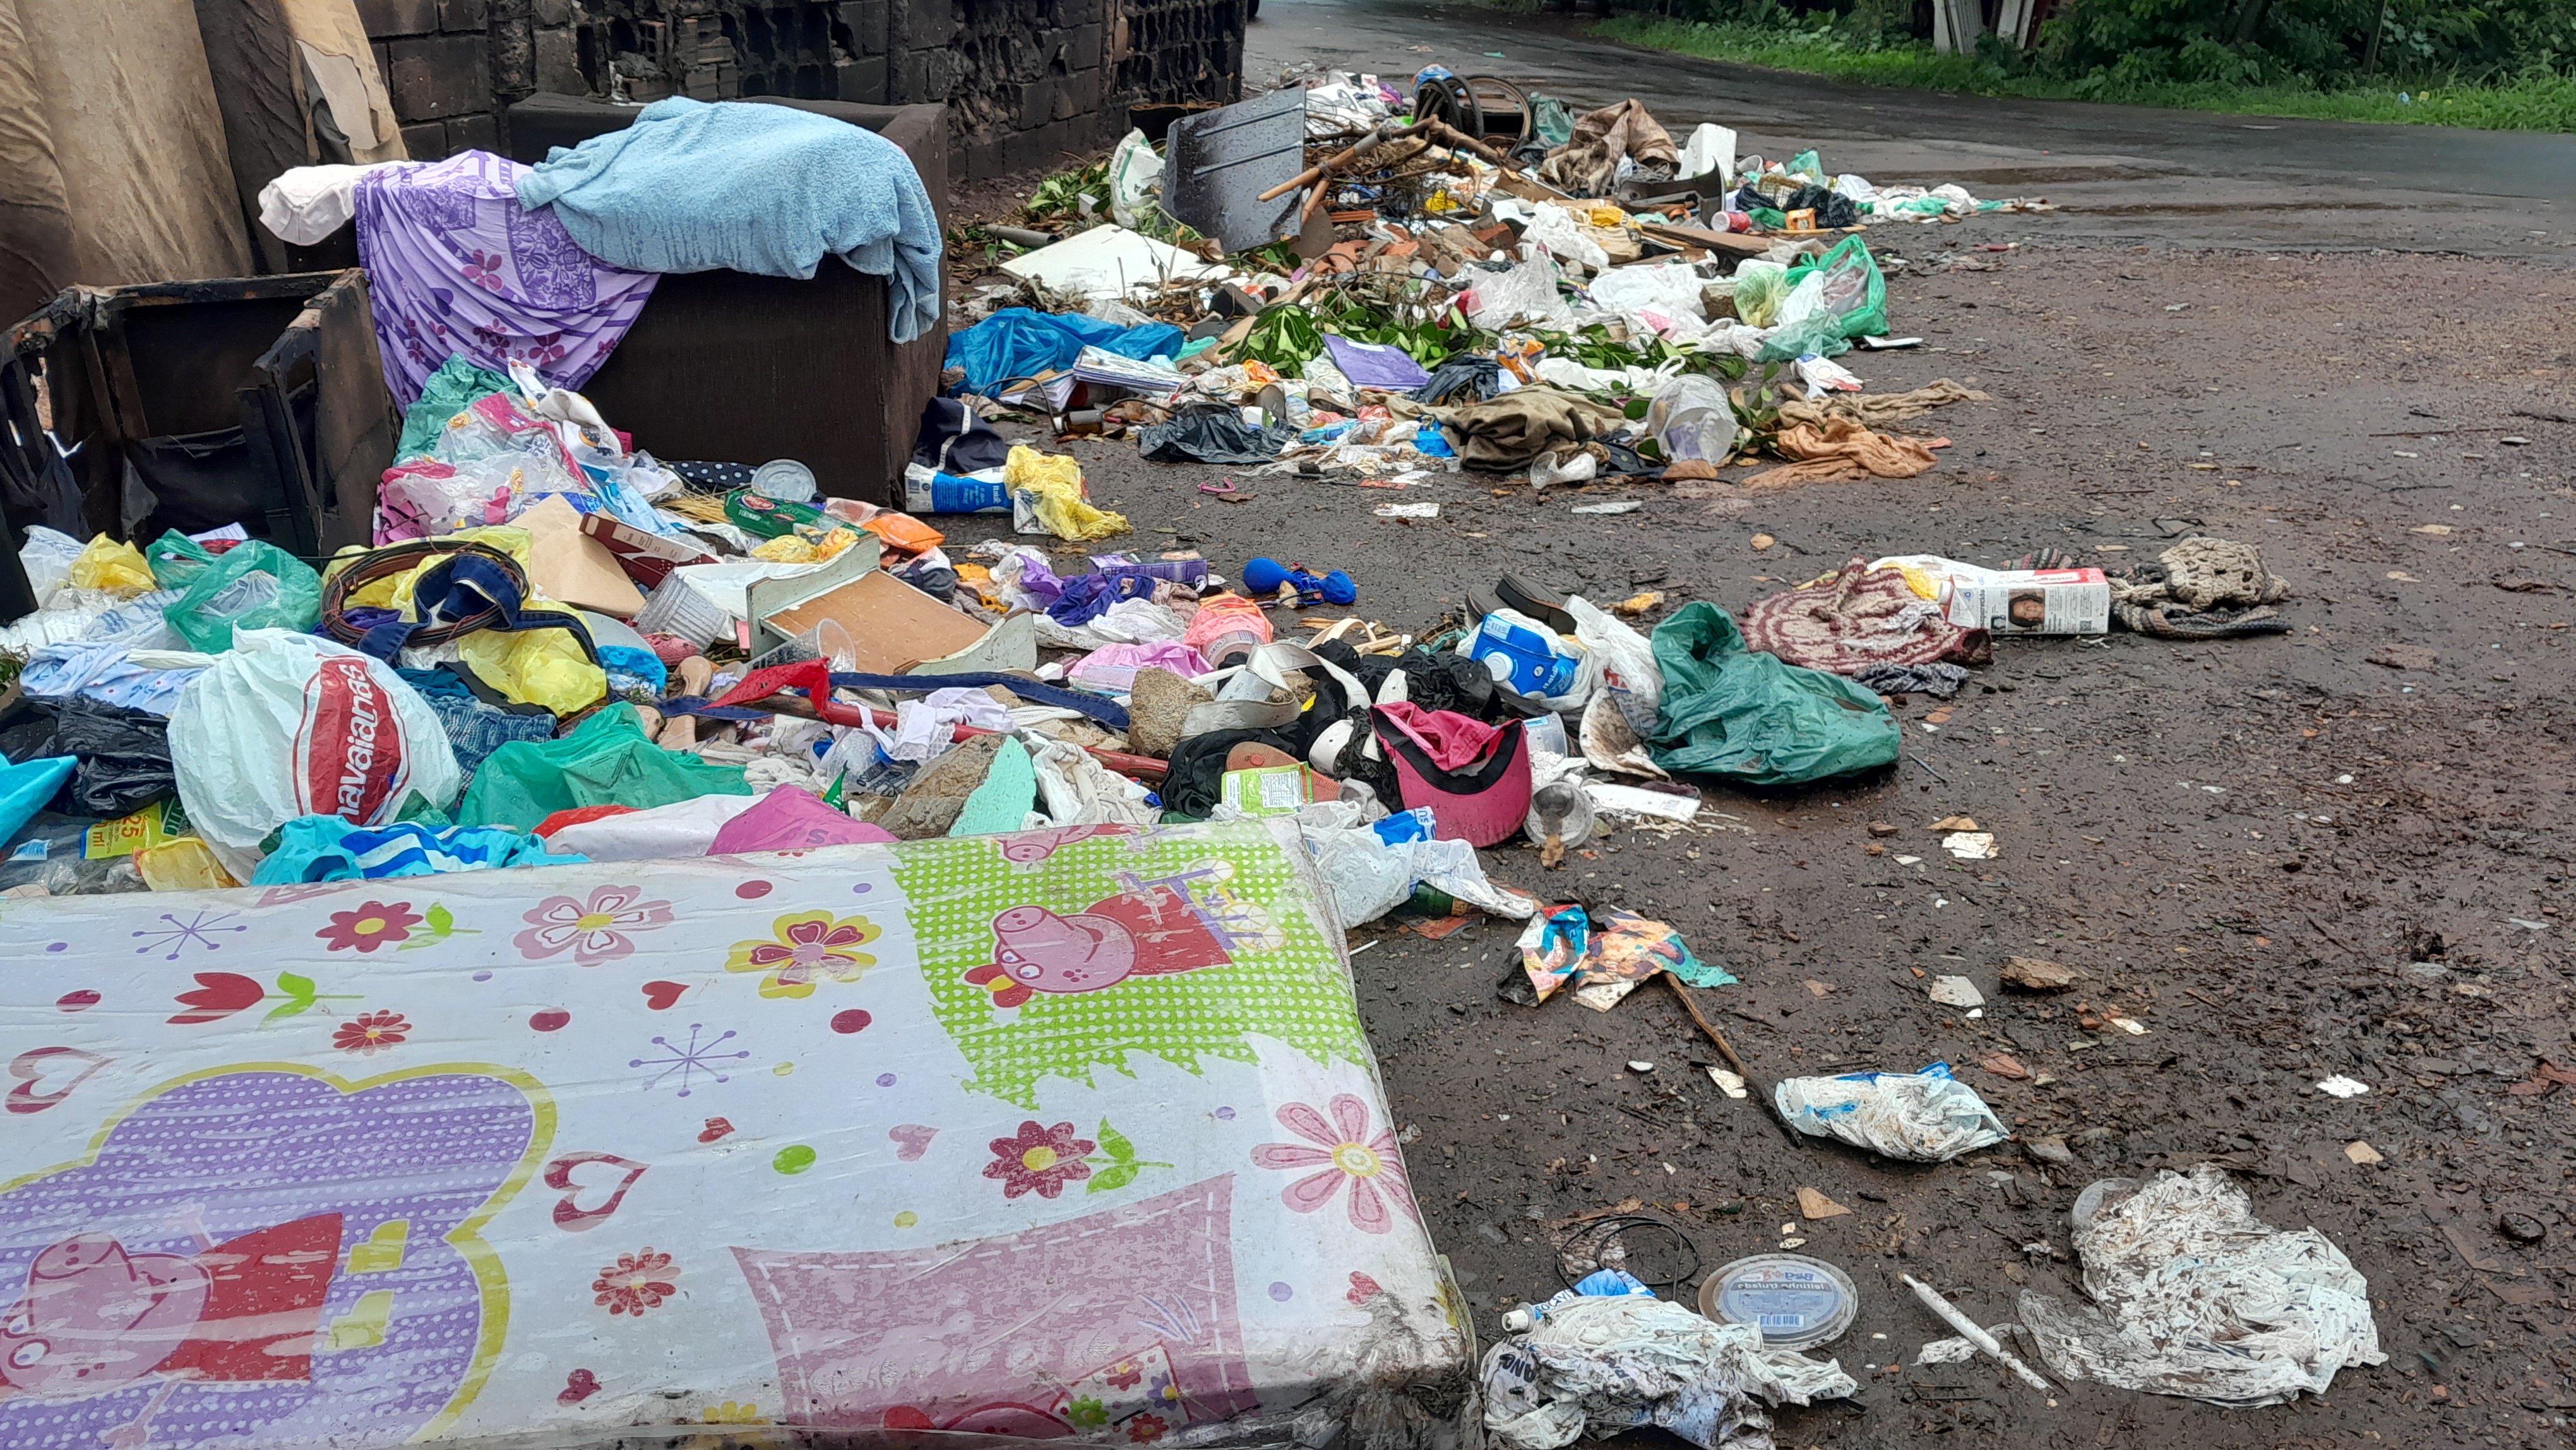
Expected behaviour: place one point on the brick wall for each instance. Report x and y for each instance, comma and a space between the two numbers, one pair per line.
1027, 82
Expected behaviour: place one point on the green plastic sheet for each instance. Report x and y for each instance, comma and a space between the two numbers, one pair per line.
1755, 718
606, 760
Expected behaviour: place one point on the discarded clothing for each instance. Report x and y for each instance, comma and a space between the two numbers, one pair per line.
457, 267
690, 186
1605, 1365
1507, 432
1017, 342
1877, 410
1375, 364
791, 818
1937, 680
954, 439
306, 204
1211, 435
1475, 777
2201, 588
1588, 163
477, 726
1466, 378
327, 848
2200, 1298
1840, 449
1857, 618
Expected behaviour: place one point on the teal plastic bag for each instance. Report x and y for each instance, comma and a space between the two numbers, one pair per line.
606, 760
1756, 718
456, 386
1854, 289
27, 786
253, 585
177, 560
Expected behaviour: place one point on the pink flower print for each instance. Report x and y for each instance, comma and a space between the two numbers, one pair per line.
1346, 1153
370, 926
596, 930
483, 269
1039, 1159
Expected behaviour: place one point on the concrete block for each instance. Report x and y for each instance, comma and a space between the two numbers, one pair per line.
473, 133
863, 81
459, 17
1078, 94
1082, 46
551, 14
426, 141
387, 18
924, 23
1037, 104
559, 63
866, 20
436, 76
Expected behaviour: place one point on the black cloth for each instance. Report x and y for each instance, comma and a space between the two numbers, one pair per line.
1210, 435
954, 440
711, 477
1195, 781
1477, 378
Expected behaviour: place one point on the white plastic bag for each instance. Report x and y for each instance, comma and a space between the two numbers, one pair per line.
1927, 1116
1671, 288
1709, 152
1135, 176
47, 557
682, 828
1554, 228
1609, 1364
1690, 417
288, 725
2200, 1298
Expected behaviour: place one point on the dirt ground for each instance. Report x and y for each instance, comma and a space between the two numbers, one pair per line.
2282, 858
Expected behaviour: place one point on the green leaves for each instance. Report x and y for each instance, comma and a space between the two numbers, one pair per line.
441, 920
301, 997
440, 924
1124, 1165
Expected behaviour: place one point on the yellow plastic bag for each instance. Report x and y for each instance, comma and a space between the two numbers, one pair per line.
535, 667
394, 590
107, 564
1052, 485
183, 865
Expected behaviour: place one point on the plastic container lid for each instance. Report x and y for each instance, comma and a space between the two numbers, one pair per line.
1794, 1300
785, 480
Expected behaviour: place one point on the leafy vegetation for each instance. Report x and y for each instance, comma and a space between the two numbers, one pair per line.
2509, 65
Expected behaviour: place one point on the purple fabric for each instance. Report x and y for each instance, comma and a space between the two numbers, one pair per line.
456, 266
1374, 364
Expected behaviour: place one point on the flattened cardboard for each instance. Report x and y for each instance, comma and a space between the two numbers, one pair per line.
568, 566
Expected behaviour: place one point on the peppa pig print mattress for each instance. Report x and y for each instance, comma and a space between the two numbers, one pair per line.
1063, 1135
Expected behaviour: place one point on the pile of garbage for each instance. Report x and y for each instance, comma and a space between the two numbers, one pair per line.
1333, 280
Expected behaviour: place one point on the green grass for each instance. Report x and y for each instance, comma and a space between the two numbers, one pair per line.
2540, 101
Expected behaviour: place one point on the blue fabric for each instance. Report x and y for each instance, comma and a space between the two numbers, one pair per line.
695, 187
475, 728
1086, 597
327, 848
1017, 342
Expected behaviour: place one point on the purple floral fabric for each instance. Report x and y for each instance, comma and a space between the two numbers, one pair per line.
456, 266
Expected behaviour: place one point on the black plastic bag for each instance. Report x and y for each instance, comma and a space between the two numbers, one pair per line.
1210, 435
124, 756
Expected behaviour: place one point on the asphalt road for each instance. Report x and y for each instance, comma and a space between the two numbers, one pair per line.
2119, 173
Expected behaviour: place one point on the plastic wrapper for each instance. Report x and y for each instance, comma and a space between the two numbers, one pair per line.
125, 755
47, 556
2198, 1297
288, 725
110, 565
1047, 497
1601, 1365
1927, 1116
45, 851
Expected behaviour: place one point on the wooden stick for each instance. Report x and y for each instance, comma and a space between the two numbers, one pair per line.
1770, 1104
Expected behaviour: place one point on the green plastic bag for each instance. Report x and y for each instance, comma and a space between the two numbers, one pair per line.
253, 585
606, 760
1854, 290
1759, 288
1756, 718
177, 560
451, 390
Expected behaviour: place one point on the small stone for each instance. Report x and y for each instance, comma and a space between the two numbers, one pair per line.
1955, 823
1955, 992
2032, 974
1637, 1066
1873, 849
1763, 541
1814, 1205
2004, 1064
1882, 828
2403, 657
2362, 1153
2050, 1150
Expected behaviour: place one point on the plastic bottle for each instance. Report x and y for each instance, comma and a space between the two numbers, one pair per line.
1690, 417
1600, 1284
1519, 652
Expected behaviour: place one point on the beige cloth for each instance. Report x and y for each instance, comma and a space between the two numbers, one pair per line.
1840, 449
112, 158
1509, 430
1588, 163
339, 62
1877, 410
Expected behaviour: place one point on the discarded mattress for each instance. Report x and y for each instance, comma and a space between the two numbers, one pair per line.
1065, 1133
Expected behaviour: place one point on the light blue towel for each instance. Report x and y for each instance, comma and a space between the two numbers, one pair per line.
694, 187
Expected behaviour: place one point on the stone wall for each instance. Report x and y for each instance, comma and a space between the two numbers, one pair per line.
1028, 83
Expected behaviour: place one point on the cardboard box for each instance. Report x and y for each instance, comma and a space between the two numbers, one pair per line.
569, 566
2017, 601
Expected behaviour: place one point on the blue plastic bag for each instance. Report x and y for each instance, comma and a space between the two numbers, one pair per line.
1017, 342
24, 789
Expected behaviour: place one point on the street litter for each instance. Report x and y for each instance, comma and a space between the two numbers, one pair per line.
1926, 1116
2193, 1295
1605, 959
1955, 992
1973, 1333
2340, 1086
1599, 1366
1794, 1301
